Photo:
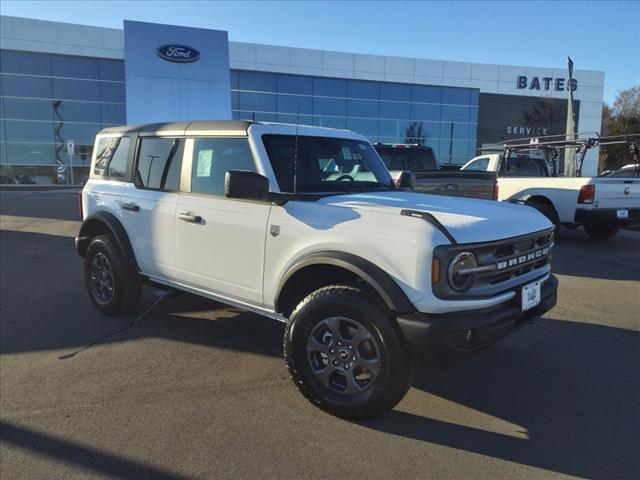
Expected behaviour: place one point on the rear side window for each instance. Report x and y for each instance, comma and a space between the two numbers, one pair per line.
112, 157
422, 159
479, 165
212, 157
159, 163
393, 158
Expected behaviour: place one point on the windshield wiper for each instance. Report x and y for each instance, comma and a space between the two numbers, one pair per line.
366, 185
322, 187
343, 187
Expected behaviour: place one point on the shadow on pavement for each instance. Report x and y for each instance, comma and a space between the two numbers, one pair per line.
86, 457
573, 386
60, 205
576, 254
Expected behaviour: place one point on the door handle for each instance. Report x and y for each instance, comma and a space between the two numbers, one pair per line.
187, 217
132, 207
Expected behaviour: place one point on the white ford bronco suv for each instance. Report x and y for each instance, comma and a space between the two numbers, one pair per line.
305, 225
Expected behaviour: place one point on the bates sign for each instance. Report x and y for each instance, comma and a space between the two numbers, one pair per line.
178, 53
546, 83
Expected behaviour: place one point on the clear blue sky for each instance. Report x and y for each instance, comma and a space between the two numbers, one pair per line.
597, 35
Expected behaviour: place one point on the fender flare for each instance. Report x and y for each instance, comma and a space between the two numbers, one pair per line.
385, 286
116, 229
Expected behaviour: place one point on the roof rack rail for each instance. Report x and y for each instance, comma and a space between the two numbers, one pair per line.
551, 143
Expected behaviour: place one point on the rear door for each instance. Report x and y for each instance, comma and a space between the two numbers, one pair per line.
220, 242
148, 205
110, 172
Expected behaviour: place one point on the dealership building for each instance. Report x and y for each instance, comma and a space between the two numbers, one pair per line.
61, 83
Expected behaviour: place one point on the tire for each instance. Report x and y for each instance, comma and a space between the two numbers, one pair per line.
362, 369
548, 211
600, 232
113, 287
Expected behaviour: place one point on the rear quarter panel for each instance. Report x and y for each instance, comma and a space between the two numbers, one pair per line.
562, 192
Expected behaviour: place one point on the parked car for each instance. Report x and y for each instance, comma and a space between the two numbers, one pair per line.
304, 225
631, 170
433, 178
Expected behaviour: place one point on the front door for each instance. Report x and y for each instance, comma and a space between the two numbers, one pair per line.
220, 242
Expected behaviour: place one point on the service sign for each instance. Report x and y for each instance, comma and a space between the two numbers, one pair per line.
178, 53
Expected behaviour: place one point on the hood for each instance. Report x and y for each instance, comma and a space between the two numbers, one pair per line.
467, 220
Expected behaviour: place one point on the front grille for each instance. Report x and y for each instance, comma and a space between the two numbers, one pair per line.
502, 265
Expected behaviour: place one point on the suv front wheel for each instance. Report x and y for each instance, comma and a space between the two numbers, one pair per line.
113, 287
345, 353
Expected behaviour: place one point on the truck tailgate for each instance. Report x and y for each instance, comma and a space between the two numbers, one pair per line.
617, 193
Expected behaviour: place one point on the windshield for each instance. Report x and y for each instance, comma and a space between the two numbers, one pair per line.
326, 164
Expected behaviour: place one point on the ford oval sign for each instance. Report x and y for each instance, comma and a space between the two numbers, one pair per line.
178, 53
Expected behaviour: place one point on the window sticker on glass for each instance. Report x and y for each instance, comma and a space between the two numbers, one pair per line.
203, 168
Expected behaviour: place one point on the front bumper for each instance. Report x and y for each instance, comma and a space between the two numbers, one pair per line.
444, 339
608, 216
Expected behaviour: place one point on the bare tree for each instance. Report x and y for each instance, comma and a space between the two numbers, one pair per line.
547, 114
621, 119
415, 134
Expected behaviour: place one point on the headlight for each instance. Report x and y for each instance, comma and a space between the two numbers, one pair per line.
458, 279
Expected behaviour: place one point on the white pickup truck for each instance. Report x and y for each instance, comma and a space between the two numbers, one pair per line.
600, 204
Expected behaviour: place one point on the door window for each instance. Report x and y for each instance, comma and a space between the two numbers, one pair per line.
159, 163
212, 157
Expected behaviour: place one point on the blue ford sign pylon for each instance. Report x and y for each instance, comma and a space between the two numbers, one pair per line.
178, 53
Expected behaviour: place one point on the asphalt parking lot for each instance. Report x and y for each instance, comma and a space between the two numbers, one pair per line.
191, 389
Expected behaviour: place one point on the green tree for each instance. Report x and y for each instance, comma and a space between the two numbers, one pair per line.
623, 118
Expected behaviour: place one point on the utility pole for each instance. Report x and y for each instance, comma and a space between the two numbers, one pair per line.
570, 153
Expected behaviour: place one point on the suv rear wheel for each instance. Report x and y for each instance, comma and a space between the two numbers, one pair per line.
113, 287
345, 353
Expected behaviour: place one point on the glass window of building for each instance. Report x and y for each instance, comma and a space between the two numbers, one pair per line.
382, 111
295, 85
25, 63
47, 100
74, 67
329, 87
257, 82
111, 70
358, 89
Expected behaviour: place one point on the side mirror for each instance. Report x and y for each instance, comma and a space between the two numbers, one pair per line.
246, 185
406, 180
